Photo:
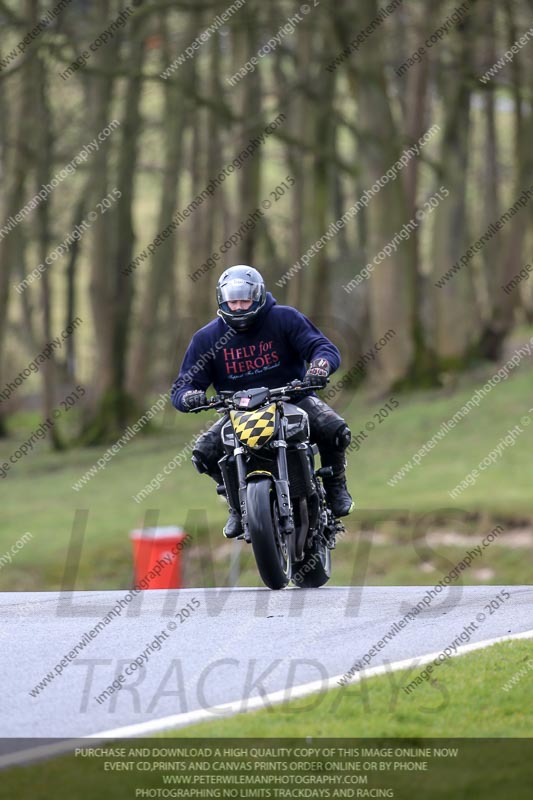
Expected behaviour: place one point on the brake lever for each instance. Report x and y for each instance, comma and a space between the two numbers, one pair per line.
301, 387
208, 407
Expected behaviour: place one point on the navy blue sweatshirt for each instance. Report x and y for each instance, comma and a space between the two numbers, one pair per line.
272, 352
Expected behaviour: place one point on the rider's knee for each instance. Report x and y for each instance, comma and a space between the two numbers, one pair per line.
199, 462
207, 450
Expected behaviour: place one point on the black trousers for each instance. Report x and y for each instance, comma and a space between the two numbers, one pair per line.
328, 431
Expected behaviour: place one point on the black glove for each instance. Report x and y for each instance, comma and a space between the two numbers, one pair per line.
317, 373
194, 398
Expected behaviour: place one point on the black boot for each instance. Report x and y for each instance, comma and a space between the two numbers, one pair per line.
233, 527
337, 493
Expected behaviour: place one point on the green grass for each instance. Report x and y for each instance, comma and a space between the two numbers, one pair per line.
38, 497
465, 702
464, 699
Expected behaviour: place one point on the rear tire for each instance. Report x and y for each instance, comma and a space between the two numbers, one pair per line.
315, 568
271, 550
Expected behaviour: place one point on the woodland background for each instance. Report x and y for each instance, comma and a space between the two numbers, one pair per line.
344, 127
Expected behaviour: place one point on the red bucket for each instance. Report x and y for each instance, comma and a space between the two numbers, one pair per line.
157, 557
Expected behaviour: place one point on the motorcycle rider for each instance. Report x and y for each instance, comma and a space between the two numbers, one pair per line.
255, 342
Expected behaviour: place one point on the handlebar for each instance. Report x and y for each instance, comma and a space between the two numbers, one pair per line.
224, 400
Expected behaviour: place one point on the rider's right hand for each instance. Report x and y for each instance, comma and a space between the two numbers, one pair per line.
194, 399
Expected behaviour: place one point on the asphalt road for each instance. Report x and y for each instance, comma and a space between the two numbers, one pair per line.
232, 645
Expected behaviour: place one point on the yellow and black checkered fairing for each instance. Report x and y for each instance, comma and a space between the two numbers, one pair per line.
254, 428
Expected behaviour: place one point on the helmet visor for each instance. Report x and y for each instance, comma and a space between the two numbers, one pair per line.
239, 289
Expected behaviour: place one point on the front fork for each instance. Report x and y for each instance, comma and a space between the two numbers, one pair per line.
281, 487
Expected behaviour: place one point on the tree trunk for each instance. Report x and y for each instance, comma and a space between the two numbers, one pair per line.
324, 127
161, 272
490, 341
213, 227
299, 162
456, 323
250, 174
100, 94
44, 153
70, 293
16, 164
115, 407
506, 303
392, 285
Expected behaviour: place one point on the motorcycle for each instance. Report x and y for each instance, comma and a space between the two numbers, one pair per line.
269, 474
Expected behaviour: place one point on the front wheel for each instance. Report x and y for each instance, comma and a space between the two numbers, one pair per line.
269, 544
315, 568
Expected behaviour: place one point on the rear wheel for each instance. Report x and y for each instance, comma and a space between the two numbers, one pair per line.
315, 568
269, 544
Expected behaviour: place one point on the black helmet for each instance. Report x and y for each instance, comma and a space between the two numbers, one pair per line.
240, 283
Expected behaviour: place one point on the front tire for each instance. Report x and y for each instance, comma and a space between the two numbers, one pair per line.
271, 550
315, 568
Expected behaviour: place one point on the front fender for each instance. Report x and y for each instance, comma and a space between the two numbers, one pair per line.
258, 474
282, 496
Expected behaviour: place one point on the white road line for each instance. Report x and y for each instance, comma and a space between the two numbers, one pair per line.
235, 707
285, 695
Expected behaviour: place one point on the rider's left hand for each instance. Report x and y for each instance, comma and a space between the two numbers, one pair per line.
317, 373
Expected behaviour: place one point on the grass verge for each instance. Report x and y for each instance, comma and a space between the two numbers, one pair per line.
467, 701
40, 498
